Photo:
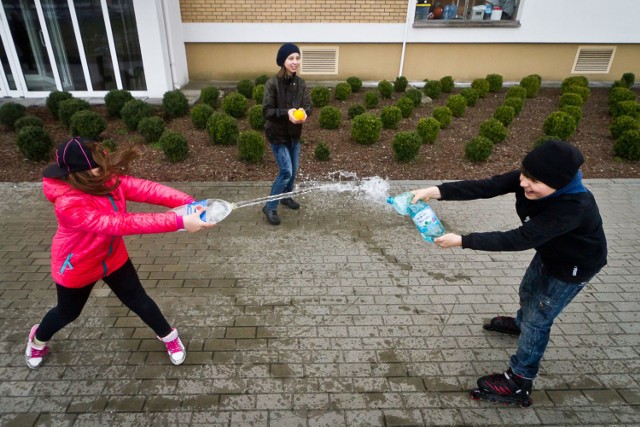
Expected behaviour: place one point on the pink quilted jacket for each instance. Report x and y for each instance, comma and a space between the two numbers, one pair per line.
88, 244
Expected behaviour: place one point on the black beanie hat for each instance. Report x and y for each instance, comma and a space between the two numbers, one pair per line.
284, 52
554, 163
73, 155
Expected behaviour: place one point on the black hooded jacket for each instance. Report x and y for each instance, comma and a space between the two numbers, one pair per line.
280, 95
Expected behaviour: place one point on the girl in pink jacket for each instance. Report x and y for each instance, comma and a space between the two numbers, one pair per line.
89, 190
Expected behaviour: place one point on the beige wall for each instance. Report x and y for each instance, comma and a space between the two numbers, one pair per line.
465, 62
334, 11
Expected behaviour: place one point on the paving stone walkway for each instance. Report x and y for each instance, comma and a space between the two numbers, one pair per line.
342, 316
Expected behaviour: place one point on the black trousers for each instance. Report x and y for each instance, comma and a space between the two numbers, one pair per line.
124, 283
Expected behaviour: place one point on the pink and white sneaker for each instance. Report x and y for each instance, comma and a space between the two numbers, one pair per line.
34, 354
175, 348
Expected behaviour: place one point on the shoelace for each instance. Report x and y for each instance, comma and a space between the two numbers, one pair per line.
173, 346
39, 353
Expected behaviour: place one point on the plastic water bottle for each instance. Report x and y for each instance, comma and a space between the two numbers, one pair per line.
217, 209
426, 220
401, 202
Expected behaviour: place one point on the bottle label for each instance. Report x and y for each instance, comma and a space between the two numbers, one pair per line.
424, 218
191, 208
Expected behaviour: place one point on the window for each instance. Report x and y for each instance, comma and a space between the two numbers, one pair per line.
466, 12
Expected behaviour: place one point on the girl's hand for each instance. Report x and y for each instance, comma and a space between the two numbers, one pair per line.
293, 119
449, 240
426, 194
193, 223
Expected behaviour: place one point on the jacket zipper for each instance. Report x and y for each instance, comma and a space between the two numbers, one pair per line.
105, 270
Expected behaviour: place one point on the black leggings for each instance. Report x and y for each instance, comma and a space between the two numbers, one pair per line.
124, 283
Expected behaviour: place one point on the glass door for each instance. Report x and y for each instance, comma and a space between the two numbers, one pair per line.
7, 81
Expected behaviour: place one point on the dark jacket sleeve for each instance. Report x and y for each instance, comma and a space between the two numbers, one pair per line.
270, 109
482, 188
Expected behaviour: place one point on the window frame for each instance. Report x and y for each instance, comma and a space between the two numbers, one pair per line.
468, 23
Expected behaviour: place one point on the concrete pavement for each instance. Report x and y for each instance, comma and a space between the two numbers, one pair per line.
341, 316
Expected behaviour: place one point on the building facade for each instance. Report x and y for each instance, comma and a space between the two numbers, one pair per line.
89, 47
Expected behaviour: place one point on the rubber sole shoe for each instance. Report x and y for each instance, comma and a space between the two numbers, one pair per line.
32, 355
175, 349
290, 203
504, 325
272, 216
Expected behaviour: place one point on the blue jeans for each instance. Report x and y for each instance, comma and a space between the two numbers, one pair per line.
542, 299
287, 156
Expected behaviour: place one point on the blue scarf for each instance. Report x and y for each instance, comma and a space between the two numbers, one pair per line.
575, 186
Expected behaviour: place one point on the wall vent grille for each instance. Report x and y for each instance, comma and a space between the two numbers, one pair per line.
593, 60
319, 60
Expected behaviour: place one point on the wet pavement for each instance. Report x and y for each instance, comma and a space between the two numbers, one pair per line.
341, 316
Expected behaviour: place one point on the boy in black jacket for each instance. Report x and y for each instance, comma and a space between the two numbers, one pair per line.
561, 221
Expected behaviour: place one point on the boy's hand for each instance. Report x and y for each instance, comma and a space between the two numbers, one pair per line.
449, 240
193, 223
426, 194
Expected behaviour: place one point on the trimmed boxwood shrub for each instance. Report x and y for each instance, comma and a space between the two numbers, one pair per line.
322, 152
531, 84
627, 145
447, 84
175, 146
355, 83
390, 116
54, 99
428, 129
245, 88
133, 111
478, 149
151, 128
573, 111
443, 115
495, 82
405, 104
175, 104
10, 113
470, 95
385, 88
235, 105
400, 84
365, 128
517, 91
574, 81
261, 80
87, 124
415, 95
330, 117
505, 114
570, 99
355, 110
559, 124
583, 91
625, 108
622, 124
258, 94
115, 99
406, 146
223, 129
619, 94
482, 86
433, 89
628, 79
320, 96
493, 130
68, 107
342, 91
28, 120
457, 104
514, 102
256, 118
34, 143
251, 146
200, 114
371, 100
210, 95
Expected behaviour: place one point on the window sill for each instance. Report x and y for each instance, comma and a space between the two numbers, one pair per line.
461, 23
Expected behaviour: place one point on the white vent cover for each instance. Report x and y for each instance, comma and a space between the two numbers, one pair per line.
319, 59
593, 60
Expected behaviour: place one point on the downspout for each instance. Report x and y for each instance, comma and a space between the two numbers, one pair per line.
410, 3
168, 39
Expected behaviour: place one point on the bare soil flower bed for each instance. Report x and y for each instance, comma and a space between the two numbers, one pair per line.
441, 161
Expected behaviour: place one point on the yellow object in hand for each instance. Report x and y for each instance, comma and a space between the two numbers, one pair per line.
299, 114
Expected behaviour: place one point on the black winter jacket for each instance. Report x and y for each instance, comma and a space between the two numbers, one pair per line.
565, 230
280, 95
